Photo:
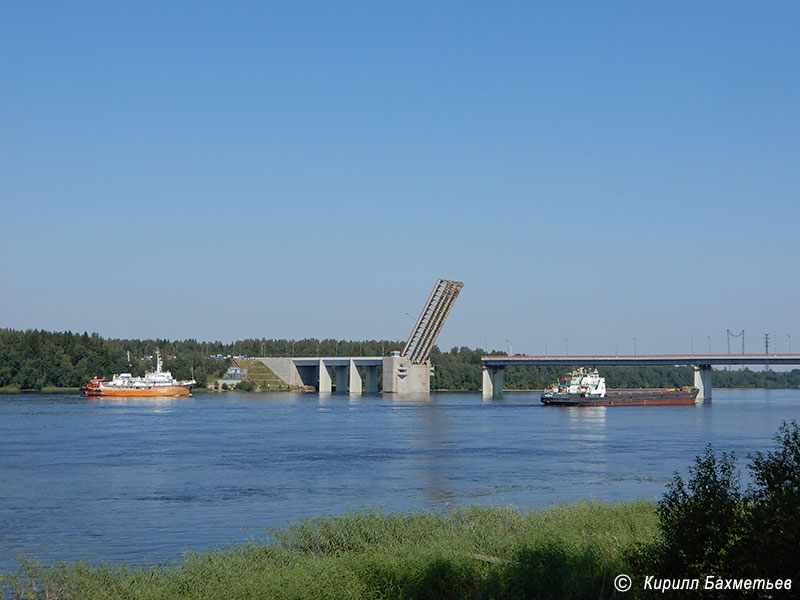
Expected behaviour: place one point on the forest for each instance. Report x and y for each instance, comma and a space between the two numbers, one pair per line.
41, 360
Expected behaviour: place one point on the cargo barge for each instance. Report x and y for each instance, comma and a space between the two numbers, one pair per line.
584, 388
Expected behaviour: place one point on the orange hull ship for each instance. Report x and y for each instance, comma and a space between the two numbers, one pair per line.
95, 388
154, 383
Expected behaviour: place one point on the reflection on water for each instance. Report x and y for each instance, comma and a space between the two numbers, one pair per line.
433, 442
138, 401
589, 420
140, 479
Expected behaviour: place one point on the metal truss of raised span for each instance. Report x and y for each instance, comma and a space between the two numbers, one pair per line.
431, 319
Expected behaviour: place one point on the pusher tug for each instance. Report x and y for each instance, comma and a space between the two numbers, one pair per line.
584, 388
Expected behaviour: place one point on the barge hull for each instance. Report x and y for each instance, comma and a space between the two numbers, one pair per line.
656, 398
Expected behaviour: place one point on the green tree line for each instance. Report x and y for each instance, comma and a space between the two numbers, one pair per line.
36, 359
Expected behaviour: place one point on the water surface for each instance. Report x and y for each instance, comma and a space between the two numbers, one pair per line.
143, 480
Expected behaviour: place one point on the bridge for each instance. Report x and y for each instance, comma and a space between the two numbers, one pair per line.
316, 372
406, 371
494, 366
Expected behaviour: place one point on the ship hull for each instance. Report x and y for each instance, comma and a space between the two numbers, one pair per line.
159, 390
654, 398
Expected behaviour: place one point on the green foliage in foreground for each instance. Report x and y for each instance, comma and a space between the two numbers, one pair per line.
570, 551
710, 526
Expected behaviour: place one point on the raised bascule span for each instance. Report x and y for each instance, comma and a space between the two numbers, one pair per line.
406, 372
409, 371
430, 321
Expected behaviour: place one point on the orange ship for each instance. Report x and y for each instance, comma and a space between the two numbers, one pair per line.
154, 383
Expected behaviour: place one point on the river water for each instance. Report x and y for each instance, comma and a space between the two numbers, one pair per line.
144, 480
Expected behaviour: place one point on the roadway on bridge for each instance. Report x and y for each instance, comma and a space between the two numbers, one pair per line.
648, 359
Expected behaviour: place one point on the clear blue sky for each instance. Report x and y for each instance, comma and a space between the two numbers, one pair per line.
228, 170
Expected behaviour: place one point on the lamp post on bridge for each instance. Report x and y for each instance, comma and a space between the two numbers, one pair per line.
566, 347
635, 352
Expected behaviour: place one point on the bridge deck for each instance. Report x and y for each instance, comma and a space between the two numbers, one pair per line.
338, 361
648, 359
494, 366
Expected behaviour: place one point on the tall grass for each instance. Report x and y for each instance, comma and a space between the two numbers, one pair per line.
570, 551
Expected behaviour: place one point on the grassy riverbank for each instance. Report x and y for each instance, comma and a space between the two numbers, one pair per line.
572, 551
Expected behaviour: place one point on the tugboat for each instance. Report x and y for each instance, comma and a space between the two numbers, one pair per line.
154, 383
584, 388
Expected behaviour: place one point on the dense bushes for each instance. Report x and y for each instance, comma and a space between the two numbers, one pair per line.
710, 526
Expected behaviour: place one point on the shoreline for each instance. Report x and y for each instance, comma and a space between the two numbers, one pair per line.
464, 552
74, 390
45, 390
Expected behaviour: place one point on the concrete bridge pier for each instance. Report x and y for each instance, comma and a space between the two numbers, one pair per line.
702, 381
342, 378
354, 374
400, 376
371, 374
324, 378
354, 377
493, 382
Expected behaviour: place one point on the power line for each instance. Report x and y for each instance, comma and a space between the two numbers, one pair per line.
730, 335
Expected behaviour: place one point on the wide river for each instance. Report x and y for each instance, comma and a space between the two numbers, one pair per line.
144, 480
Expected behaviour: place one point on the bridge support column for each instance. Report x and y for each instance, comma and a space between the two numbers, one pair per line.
702, 381
324, 385
342, 378
355, 378
493, 382
372, 379
402, 377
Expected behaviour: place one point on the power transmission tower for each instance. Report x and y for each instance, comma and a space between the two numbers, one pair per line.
730, 335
